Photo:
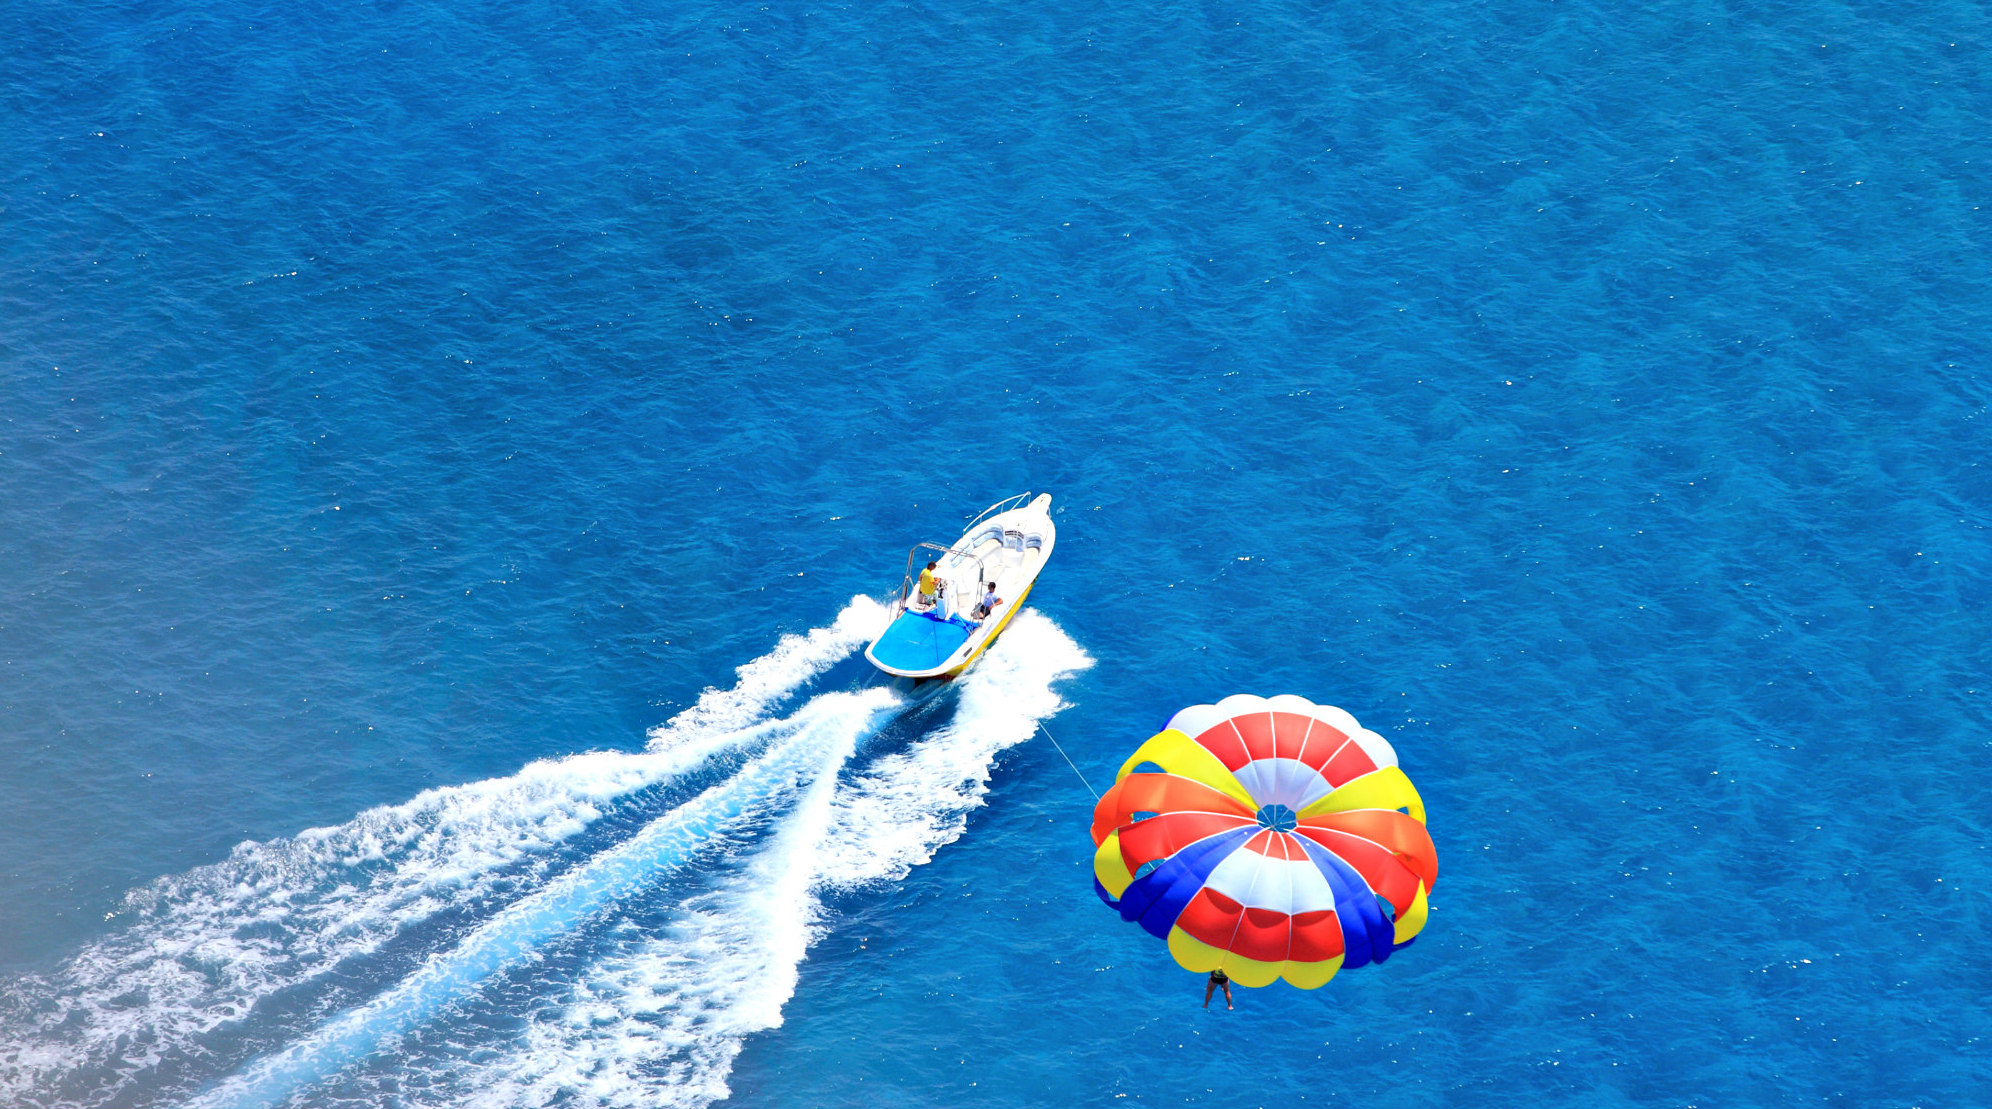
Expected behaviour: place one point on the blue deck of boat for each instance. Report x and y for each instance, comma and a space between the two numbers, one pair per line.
918, 641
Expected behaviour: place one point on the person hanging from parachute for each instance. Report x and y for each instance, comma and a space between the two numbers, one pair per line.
1217, 981
1272, 839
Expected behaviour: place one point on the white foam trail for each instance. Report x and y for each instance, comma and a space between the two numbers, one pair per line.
202, 948
659, 1020
910, 804
765, 683
833, 721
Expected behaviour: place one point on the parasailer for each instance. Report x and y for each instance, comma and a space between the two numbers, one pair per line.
1218, 980
1266, 838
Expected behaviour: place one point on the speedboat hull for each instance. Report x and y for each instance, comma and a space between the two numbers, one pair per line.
1007, 546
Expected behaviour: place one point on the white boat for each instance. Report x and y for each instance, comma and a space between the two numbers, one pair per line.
1008, 544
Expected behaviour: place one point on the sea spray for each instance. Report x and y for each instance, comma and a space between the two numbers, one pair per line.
652, 1009
763, 684
823, 734
905, 806
198, 950
656, 1019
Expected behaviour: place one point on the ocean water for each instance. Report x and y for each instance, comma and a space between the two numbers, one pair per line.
446, 452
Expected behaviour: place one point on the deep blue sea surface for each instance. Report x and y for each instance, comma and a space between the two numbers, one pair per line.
441, 444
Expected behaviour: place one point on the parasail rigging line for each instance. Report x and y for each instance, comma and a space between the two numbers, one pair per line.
1070, 763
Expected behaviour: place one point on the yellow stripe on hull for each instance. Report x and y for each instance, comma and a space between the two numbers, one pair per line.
991, 637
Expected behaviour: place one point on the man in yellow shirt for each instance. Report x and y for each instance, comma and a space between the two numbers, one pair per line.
929, 585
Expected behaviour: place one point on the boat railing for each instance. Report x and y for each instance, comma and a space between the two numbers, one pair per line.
1004, 505
904, 594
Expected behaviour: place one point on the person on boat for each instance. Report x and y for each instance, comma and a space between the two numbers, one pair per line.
929, 585
988, 603
1218, 980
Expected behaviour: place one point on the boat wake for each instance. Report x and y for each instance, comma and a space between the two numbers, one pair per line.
603, 929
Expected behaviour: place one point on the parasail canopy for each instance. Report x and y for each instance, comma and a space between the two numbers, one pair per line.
1267, 836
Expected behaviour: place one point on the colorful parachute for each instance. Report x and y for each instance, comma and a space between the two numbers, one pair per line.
1267, 842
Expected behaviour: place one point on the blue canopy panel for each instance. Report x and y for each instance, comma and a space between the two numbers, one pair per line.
919, 641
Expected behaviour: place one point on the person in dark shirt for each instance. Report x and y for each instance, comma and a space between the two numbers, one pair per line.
1218, 980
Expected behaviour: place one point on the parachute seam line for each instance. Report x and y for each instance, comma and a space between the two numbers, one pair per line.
1069, 762
1306, 738
1286, 848
1240, 921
